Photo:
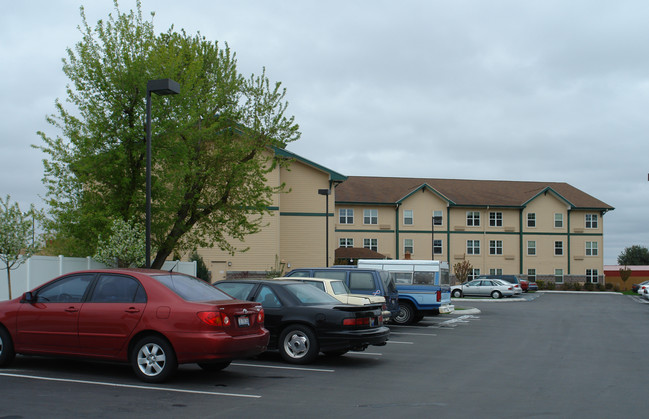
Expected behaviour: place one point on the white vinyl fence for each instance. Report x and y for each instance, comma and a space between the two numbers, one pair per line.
40, 269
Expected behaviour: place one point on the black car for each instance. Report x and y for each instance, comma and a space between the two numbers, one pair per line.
304, 321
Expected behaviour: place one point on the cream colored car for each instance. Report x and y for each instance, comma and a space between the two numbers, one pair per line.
339, 290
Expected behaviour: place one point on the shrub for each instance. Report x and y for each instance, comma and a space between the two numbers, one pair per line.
541, 285
576, 286
609, 286
616, 288
589, 286
551, 285
600, 286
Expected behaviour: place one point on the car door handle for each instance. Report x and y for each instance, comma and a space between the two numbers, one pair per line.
132, 310
71, 309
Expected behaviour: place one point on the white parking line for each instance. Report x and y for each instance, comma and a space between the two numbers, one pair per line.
364, 353
241, 364
137, 387
413, 334
402, 343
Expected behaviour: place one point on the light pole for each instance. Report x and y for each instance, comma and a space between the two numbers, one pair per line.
432, 234
326, 193
159, 87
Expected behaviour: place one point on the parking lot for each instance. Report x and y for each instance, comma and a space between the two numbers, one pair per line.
556, 355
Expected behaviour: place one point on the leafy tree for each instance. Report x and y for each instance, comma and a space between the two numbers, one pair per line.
212, 143
201, 269
125, 247
17, 242
462, 270
634, 255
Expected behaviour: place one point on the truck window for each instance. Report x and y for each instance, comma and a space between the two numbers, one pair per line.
361, 281
331, 274
403, 277
424, 278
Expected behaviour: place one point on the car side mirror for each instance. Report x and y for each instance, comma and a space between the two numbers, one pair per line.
28, 297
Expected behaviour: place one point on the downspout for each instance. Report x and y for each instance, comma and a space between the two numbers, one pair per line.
569, 241
520, 239
396, 231
448, 236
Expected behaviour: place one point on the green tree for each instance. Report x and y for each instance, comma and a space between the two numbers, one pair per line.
17, 242
462, 270
212, 143
201, 269
124, 247
634, 255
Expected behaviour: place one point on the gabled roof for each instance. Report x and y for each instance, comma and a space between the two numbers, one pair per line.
333, 176
459, 192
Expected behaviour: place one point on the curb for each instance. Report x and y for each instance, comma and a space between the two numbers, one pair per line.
468, 310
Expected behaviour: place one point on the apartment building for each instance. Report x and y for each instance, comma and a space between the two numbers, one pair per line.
546, 230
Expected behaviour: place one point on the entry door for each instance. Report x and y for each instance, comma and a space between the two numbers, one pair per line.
219, 270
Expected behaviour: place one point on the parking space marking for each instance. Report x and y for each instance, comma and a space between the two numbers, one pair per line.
402, 343
364, 353
137, 387
413, 334
242, 364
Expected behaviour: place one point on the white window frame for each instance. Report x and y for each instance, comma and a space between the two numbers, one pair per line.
346, 242
531, 274
473, 247
473, 274
346, 216
558, 248
372, 244
591, 221
558, 220
408, 217
592, 249
592, 276
408, 244
495, 247
531, 220
496, 271
495, 219
371, 215
473, 218
438, 219
531, 248
438, 246
558, 276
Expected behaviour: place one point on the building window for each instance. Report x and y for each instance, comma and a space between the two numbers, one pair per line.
473, 274
558, 276
531, 219
558, 220
591, 220
531, 275
437, 218
531, 247
496, 271
495, 219
591, 249
408, 246
370, 216
407, 217
346, 216
495, 247
592, 276
473, 247
473, 218
437, 247
558, 248
372, 244
346, 242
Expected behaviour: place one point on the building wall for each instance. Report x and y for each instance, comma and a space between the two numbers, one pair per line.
514, 234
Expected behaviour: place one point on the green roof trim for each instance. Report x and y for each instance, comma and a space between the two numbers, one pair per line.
545, 191
333, 176
431, 189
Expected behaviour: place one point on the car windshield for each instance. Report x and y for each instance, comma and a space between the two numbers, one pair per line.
190, 288
309, 295
388, 281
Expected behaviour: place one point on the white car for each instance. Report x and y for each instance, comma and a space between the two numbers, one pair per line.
339, 290
644, 293
493, 288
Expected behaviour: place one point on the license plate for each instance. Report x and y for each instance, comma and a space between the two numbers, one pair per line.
244, 321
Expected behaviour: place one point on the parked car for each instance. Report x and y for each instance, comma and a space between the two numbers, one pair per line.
152, 319
532, 286
637, 287
645, 293
339, 290
493, 288
304, 321
512, 279
359, 281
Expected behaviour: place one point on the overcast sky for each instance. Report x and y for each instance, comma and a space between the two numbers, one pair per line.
537, 90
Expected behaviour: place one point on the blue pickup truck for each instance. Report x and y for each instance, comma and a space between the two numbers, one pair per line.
423, 285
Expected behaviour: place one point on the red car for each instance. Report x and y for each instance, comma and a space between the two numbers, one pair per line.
152, 319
